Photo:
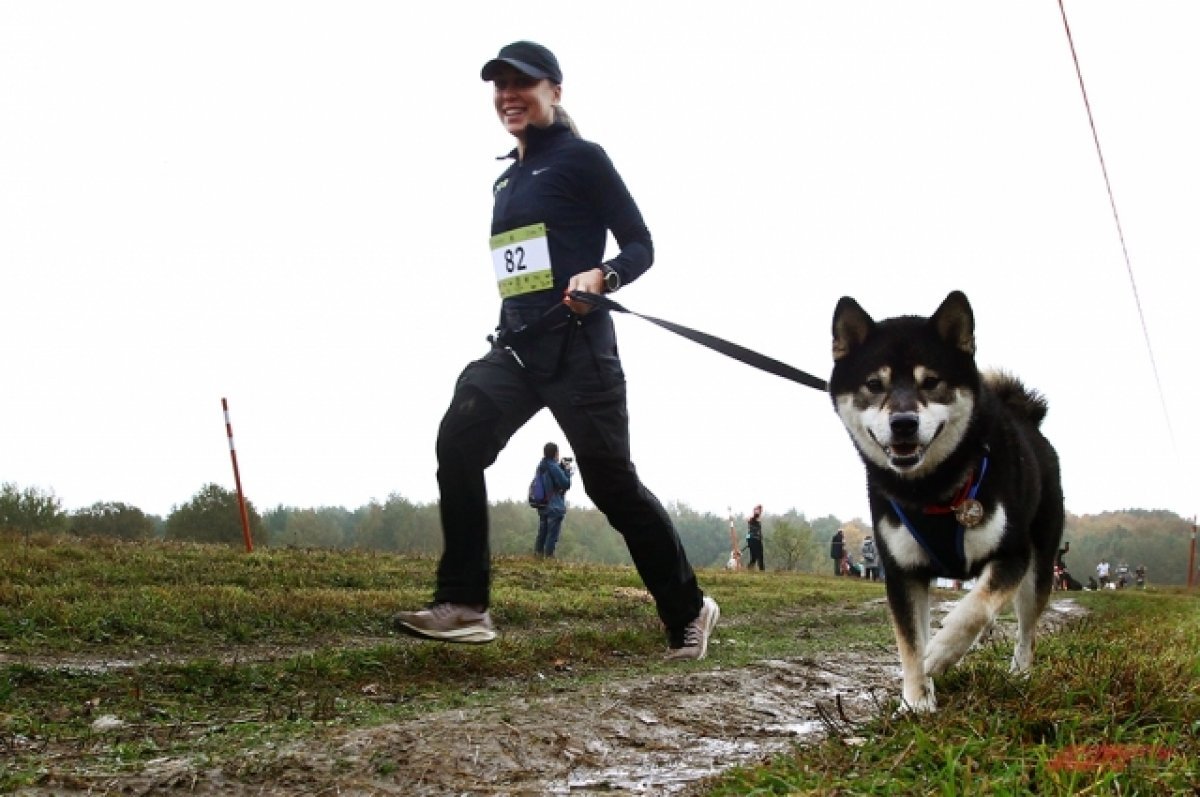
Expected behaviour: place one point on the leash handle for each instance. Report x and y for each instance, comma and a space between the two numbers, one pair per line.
729, 349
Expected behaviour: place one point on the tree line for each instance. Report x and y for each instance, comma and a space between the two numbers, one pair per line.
1157, 539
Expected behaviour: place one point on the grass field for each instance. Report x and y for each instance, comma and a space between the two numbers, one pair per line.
118, 656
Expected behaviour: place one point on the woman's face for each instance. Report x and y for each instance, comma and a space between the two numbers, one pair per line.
522, 101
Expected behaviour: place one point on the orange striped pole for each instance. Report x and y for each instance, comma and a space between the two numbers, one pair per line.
237, 479
735, 553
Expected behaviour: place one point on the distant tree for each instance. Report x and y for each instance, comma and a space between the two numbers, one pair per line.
275, 521
512, 527
370, 532
213, 516
587, 537
793, 545
314, 528
112, 519
1158, 539
29, 510
705, 536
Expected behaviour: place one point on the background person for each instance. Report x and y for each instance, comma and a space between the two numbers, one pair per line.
1061, 576
553, 208
837, 552
754, 539
870, 559
557, 478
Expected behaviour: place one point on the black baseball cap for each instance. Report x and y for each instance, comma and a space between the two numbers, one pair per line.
529, 58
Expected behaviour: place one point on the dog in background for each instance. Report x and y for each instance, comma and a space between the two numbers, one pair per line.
961, 481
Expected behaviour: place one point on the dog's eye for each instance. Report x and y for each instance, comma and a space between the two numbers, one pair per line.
930, 383
875, 384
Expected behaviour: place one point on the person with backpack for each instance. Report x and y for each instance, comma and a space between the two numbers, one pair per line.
870, 560
554, 479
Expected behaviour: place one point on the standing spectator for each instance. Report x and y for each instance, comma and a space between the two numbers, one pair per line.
837, 551
557, 479
1059, 558
1122, 575
870, 559
754, 539
552, 210
1061, 576
1102, 573
1140, 575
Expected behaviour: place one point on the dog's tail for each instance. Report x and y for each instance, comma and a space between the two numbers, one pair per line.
1024, 402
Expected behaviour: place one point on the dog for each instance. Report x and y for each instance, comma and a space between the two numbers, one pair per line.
961, 481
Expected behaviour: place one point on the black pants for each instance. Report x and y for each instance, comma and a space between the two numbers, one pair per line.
495, 396
756, 553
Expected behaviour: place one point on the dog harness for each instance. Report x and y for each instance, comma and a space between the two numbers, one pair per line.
948, 551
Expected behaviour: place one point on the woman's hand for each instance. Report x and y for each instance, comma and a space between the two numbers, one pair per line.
585, 282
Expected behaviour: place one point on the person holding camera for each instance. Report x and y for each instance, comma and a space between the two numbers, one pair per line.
556, 476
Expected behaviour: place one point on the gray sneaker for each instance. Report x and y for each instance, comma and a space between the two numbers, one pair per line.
696, 633
447, 622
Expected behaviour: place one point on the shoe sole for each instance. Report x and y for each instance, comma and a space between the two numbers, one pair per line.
465, 636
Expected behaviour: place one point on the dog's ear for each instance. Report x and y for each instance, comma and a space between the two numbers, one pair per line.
955, 323
851, 325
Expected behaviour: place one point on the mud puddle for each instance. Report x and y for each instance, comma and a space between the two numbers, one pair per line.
656, 735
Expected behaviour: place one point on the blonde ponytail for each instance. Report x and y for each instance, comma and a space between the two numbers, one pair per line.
561, 115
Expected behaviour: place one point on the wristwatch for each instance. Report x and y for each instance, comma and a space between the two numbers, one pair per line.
612, 280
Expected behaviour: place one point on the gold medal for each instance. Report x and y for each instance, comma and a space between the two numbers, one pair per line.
969, 513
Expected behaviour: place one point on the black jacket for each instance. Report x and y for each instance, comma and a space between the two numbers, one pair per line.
571, 186
753, 529
837, 546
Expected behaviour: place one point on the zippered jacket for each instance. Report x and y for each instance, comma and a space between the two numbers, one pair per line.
559, 481
570, 185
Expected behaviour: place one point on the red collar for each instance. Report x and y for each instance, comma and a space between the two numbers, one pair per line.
956, 502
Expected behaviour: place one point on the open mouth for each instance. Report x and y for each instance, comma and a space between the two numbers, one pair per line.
905, 455
901, 456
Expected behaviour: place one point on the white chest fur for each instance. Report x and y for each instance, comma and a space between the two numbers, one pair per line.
978, 543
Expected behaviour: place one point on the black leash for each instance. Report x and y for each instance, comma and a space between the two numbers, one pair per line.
741, 353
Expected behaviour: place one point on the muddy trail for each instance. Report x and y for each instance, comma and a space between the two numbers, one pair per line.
660, 735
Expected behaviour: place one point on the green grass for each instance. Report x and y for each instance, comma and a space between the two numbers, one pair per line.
1112, 707
225, 652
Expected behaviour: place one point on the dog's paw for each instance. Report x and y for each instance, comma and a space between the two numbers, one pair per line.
1020, 666
918, 700
1022, 658
924, 705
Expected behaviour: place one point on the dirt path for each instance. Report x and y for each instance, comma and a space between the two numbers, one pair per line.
657, 735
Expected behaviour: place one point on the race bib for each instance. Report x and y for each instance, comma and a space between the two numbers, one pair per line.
521, 259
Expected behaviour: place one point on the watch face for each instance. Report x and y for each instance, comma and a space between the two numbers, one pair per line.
612, 280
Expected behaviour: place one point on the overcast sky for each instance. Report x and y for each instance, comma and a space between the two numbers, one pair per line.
287, 204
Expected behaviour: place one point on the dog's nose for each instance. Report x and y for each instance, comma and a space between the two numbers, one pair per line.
905, 424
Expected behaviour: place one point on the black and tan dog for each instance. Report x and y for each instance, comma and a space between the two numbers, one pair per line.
962, 483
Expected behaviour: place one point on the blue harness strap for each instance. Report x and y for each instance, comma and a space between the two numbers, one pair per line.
942, 549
